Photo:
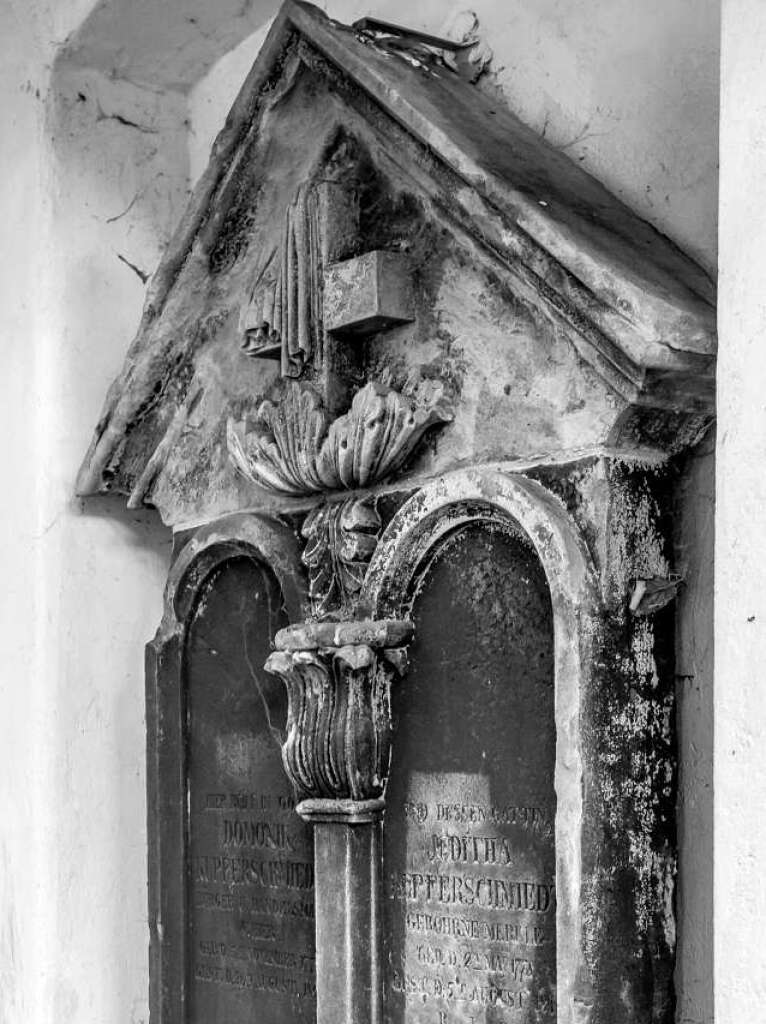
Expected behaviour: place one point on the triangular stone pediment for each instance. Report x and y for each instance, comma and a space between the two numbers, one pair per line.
411, 280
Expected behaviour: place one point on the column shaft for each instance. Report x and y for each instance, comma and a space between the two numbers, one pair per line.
347, 879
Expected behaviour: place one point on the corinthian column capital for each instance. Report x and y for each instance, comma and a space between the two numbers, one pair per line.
338, 678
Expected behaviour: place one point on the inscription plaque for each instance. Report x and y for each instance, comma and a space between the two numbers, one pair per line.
250, 950
469, 852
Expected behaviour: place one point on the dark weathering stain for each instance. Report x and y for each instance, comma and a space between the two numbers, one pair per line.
250, 885
469, 854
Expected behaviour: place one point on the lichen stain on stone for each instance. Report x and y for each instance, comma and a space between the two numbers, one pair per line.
629, 744
582, 491
638, 770
636, 546
427, 347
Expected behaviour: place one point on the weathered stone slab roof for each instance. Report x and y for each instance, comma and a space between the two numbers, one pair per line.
638, 311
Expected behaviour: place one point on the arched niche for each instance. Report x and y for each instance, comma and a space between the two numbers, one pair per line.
522, 510
230, 863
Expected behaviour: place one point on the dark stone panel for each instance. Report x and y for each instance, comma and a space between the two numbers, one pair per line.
251, 948
469, 851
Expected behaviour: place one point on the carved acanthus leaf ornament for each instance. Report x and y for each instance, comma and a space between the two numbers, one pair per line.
296, 450
338, 744
340, 541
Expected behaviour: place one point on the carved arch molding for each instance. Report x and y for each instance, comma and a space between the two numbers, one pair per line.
336, 736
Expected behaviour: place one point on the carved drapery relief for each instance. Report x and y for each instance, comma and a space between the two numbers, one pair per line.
294, 449
338, 679
283, 317
340, 541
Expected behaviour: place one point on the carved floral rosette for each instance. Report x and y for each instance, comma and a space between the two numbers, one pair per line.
338, 678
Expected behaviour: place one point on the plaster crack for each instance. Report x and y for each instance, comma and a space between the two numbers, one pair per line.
128, 208
141, 273
582, 137
275, 733
101, 115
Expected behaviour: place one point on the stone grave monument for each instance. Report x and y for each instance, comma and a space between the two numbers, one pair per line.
408, 387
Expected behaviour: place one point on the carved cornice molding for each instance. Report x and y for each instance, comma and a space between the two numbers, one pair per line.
338, 744
295, 449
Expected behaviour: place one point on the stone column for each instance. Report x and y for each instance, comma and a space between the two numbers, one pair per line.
337, 753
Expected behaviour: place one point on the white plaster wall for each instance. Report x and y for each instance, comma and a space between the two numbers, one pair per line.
25, 875
118, 187
740, 592
627, 89
211, 98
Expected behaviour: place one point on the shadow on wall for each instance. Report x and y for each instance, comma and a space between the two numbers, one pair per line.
166, 46
694, 560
